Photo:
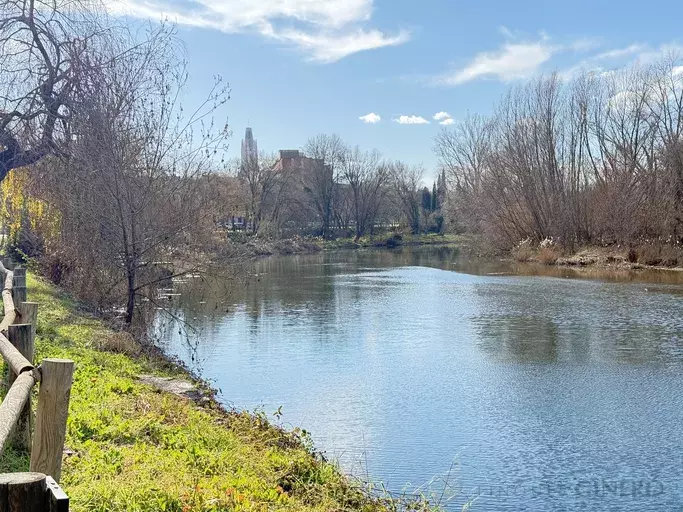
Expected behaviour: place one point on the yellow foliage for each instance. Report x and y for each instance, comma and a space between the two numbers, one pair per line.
17, 206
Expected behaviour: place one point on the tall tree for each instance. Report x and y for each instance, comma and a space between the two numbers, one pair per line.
134, 185
262, 181
406, 181
321, 179
426, 200
366, 175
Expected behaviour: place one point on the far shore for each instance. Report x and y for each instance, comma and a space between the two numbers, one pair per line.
261, 246
616, 258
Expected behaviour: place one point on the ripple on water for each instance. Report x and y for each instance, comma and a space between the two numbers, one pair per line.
530, 393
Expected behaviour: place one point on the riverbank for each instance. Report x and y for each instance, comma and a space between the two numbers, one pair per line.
642, 257
394, 240
240, 245
131, 446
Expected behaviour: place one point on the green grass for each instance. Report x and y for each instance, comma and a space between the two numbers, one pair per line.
132, 448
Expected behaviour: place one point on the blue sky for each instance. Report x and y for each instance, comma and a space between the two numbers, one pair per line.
301, 67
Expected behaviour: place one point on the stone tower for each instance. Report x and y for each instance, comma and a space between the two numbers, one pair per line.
249, 149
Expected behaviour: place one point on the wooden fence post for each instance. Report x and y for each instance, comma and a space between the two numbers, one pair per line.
7, 262
23, 492
19, 276
53, 409
22, 337
28, 314
19, 292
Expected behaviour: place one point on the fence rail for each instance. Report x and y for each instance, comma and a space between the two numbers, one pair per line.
37, 491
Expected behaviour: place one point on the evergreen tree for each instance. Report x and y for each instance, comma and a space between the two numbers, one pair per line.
426, 199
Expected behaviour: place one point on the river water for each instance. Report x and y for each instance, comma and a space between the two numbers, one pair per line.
476, 382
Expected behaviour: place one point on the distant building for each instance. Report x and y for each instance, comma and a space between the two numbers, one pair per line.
294, 160
249, 149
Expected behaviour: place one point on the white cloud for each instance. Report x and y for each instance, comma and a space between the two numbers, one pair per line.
443, 118
512, 61
326, 48
584, 44
617, 53
520, 59
411, 120
325, 31
609, 61
623, 100
651, 55
371, 118
596, 63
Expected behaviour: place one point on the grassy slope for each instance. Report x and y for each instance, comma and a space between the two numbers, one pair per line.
136, 449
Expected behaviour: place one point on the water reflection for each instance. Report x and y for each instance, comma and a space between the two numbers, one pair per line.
533, 379
518, 338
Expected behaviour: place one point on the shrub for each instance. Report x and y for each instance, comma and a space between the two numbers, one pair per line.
394, 240
670, 256
548, 255
523, 251
663, 254
649, 254
632, 255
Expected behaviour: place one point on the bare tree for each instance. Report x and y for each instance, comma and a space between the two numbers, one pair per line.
264, 183
47, 48
366, 175
597, 159
320, 183
132, 189
465, 154
464, 151
406, 181
666, 112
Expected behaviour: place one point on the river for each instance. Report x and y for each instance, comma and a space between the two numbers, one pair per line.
508, 387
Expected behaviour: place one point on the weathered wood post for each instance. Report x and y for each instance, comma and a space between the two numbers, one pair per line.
53, 409
22, 337
23, 492
28, 314
19, 276
19, 292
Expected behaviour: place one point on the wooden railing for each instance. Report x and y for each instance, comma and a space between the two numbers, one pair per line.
37, 490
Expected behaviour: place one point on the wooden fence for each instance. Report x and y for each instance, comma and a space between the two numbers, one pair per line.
42, 436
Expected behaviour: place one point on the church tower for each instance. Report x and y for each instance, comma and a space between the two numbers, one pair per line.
249, 149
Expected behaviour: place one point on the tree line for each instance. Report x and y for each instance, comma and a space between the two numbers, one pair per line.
597, 159
113, 186
333, 189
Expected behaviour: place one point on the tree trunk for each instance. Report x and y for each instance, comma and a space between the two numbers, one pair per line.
130, 307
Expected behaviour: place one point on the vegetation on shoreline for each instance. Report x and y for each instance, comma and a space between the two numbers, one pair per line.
593, 160
246, 246
647, 255
131, 447
393, 240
